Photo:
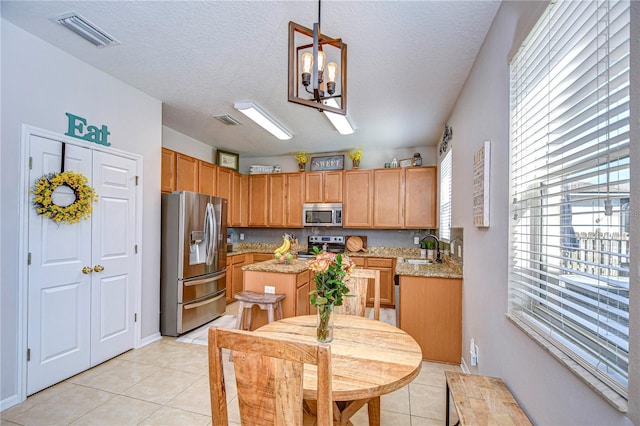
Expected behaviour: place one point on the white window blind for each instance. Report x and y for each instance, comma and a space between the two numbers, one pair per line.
570, 184
445, 197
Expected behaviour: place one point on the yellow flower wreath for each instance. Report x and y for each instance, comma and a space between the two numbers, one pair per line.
81, 208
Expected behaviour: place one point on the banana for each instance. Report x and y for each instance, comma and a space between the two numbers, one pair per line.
286, 244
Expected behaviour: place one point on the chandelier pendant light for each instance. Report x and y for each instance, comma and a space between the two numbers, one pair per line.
313, 81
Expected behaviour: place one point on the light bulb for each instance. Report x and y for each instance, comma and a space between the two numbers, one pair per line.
307, 61
321, 60
332, 71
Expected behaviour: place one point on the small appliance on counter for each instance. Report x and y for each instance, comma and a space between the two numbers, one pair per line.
322, 214
193, 261
332, 244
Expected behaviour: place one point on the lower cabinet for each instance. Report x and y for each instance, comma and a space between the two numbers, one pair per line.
386, 268
431, 312
234, 275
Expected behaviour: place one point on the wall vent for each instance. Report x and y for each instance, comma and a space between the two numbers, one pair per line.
227, 119
85, 29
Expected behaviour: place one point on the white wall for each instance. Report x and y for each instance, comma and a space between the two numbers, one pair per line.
371, 159
39, 84
179, 142
548, 392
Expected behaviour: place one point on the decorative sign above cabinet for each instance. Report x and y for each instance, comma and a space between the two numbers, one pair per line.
332, 162
76, 129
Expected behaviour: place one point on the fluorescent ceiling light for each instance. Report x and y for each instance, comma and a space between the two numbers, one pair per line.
86, 29
263, 119
340, 122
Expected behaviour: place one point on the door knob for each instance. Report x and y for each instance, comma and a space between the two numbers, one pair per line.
87, 270
98, 268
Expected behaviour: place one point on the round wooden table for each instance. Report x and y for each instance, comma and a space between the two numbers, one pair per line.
369, 358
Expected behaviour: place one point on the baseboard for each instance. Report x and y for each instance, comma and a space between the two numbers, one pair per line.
150, 339
464, 366
9, 402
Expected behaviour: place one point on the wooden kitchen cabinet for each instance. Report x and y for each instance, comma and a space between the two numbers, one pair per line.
261, 257
420, 197
386, 268
323, 187
431, 312
358, 199
276, 187
223, 182
294, 199
258, 189
168, 179
235, 262
239, 205
388, 201
206, 178
186, 173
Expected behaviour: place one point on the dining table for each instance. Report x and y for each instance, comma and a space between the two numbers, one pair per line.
369, 358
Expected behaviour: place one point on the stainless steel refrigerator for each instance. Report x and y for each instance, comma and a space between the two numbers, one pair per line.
193, 262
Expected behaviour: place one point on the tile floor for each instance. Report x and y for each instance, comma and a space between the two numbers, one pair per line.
166, 383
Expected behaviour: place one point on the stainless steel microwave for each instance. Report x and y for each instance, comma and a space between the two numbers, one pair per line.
325, 214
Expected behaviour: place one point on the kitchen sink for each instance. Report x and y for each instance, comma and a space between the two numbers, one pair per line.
418, 261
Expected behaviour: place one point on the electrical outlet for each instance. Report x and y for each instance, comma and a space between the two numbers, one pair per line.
416, 240
241, 236
269, 289
477, 355
473, 352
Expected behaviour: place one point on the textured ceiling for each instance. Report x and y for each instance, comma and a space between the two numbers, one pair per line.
408, 60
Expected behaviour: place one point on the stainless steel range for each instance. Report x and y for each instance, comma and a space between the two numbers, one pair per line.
333, 244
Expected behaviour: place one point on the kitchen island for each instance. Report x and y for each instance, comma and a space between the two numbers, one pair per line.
290, 279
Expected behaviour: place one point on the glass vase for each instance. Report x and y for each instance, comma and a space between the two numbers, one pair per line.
324, 331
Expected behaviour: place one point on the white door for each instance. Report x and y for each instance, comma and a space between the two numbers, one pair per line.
77, 320
113, 257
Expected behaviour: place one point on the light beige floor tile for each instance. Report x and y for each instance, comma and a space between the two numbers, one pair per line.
119, 410
397, 402
195, 398
4, 422
173, 416
430, 375
422, 421
427, 401
233, 410
162, 386
361, 418
122, 375
35, 399
65, 407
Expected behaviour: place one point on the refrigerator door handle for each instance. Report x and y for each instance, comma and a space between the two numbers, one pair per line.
205, 280
210, 231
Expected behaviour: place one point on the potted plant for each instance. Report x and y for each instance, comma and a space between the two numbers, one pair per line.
302, 158
355, 156
329, 270
426, 248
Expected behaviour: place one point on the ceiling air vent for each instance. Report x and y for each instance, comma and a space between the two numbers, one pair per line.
86, 29
227, 119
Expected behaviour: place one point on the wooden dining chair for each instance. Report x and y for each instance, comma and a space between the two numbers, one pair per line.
356, 301
269, 378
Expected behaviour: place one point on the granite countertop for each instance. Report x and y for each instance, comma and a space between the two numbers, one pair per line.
295, 267
451, 267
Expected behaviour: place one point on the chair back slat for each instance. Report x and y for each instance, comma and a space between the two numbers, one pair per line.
269, 378
355, 302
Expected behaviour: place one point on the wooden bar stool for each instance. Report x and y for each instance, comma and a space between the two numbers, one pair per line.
265, 301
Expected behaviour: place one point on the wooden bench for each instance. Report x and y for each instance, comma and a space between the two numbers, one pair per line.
482, 400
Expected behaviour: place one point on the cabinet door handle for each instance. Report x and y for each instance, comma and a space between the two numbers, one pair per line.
87, 270
98, 268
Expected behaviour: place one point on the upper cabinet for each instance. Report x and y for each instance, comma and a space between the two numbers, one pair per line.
323, 187
282, 206
239, 203
405, 198
206, 178
186, 173
168, 180
358, 199
420, 197
258, 186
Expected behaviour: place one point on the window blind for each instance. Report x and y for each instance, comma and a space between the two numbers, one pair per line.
445, 197
570, 184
